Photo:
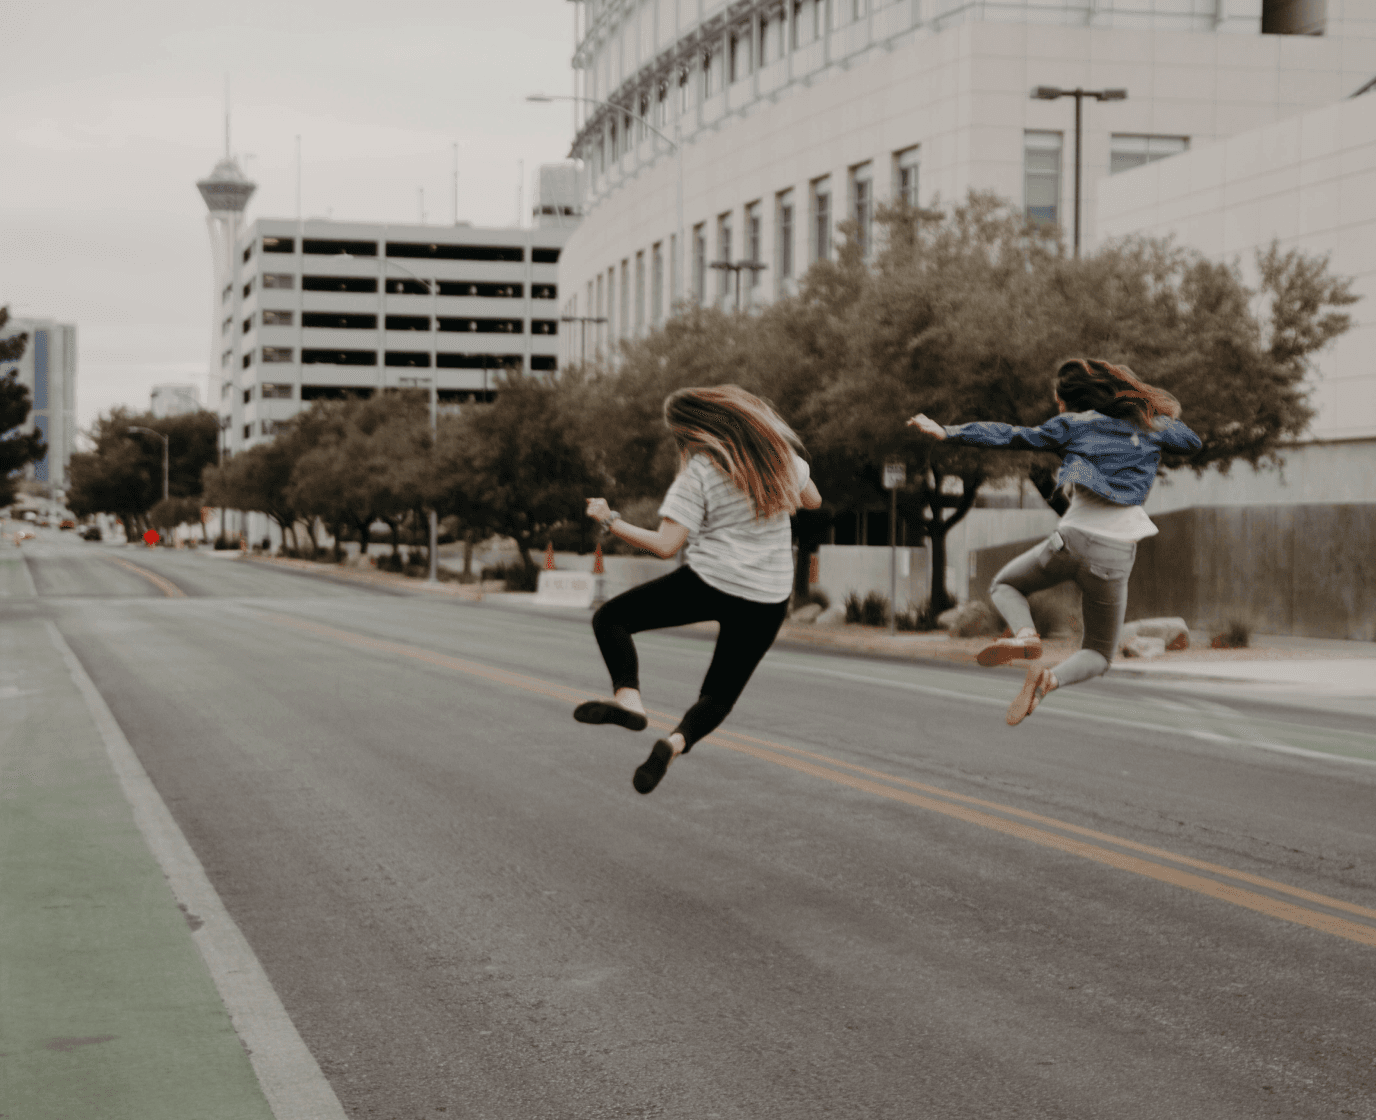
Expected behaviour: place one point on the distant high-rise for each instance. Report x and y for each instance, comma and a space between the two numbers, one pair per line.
48, 371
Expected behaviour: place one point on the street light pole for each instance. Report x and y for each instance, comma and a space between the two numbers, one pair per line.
676, 143
1051, 93
165, 445
736, 270
582, 321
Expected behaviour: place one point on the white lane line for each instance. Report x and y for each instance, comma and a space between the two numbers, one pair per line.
28, 577
290, 1078
1052, 712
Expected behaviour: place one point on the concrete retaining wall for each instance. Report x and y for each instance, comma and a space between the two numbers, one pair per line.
1306, 570
843, 568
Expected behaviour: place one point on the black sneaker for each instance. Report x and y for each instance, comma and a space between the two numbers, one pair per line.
651, 772
607, 711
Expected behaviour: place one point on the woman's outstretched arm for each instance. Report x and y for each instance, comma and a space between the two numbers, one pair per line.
1051, 436
663, 542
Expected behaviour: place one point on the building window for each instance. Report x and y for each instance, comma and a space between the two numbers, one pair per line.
338, 358
339, 283
797, 24
862, 204
225, 387
404, 287
279, 244
662, 104
740, 54
905, 166
1041, 187
625, 298
278, 318
700, 262
724, 249
248, 431
783, 237
248, 360
225, 358
543, 291
277, 353
611, 303
707, 66
226, 325
279, 280
483, 291
276, 392
248, 394
229, 291
483, 326
752, 243
512, 254
821, 218
543, 363
544, 256
417, 359
640, 293
598, 317
248, 251
683, 88
248, 325
611, 137
408, 322
657, 283
544, 326
1127, 152
248, 288
332, 248
339, 321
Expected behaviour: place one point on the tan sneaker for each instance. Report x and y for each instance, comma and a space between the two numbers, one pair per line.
1004, 650
1038, 683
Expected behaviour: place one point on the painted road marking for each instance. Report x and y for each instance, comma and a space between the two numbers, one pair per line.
990, 814
166, 586
287, 1072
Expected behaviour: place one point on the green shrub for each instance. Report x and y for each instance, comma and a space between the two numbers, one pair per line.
918, 616
872, 610
517, 576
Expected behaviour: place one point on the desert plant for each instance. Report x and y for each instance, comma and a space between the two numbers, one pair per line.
917, 616
872, 610
1236, 634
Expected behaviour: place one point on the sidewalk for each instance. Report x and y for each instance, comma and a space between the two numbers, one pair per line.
107, 1005
1325, 665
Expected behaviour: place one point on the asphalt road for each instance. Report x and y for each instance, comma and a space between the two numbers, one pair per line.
867, 898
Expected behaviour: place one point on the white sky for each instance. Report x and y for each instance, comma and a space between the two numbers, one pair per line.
111, 110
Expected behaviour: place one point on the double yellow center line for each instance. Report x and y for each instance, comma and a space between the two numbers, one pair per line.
1265, 896
169, 589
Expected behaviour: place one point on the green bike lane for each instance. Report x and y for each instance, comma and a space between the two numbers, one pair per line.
109, 1004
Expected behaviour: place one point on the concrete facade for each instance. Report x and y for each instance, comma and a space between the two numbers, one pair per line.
1308, 183
48, 370
793, 117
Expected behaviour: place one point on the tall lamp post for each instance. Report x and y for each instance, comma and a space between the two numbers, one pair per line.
582, 321
432, 287
736, 269
676, 143
1051, 93
164, 439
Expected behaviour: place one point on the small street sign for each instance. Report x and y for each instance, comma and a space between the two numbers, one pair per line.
895, 475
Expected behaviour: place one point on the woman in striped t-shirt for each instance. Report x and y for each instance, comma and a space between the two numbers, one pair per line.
739, 480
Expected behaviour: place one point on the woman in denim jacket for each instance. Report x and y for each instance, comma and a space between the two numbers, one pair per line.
1110, 433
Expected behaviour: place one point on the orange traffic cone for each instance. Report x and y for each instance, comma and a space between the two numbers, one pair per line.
597, 568
549, 557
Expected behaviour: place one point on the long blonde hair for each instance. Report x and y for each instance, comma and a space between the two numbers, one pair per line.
747, 440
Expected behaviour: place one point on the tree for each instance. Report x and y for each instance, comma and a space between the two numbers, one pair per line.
517, 465
257, 479
123, 475
17, 449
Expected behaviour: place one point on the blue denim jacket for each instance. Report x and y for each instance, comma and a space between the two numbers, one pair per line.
1114, 458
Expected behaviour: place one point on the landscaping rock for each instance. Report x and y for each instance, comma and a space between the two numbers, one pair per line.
971, 619
1144, 648
1172, 631
832, 616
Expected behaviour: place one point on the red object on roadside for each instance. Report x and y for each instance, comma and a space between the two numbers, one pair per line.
814, 568
151, 538
597, 568
549, 557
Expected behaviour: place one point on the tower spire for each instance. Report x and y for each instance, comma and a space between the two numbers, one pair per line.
226, 116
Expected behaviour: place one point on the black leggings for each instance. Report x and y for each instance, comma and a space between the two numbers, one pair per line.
747, 631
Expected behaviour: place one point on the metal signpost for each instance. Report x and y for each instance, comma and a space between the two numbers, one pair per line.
895, 475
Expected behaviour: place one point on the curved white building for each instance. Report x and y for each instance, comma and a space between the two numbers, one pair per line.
794, 115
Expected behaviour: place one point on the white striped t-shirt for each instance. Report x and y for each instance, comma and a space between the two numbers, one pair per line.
727, 546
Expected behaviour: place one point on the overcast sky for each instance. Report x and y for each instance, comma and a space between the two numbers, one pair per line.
111, 110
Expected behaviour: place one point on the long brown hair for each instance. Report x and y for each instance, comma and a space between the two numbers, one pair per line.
1087, 384
747, 440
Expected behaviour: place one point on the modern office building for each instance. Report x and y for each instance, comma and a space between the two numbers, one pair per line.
794, 116
174, 400
314, 309
48, 370
1306, 183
